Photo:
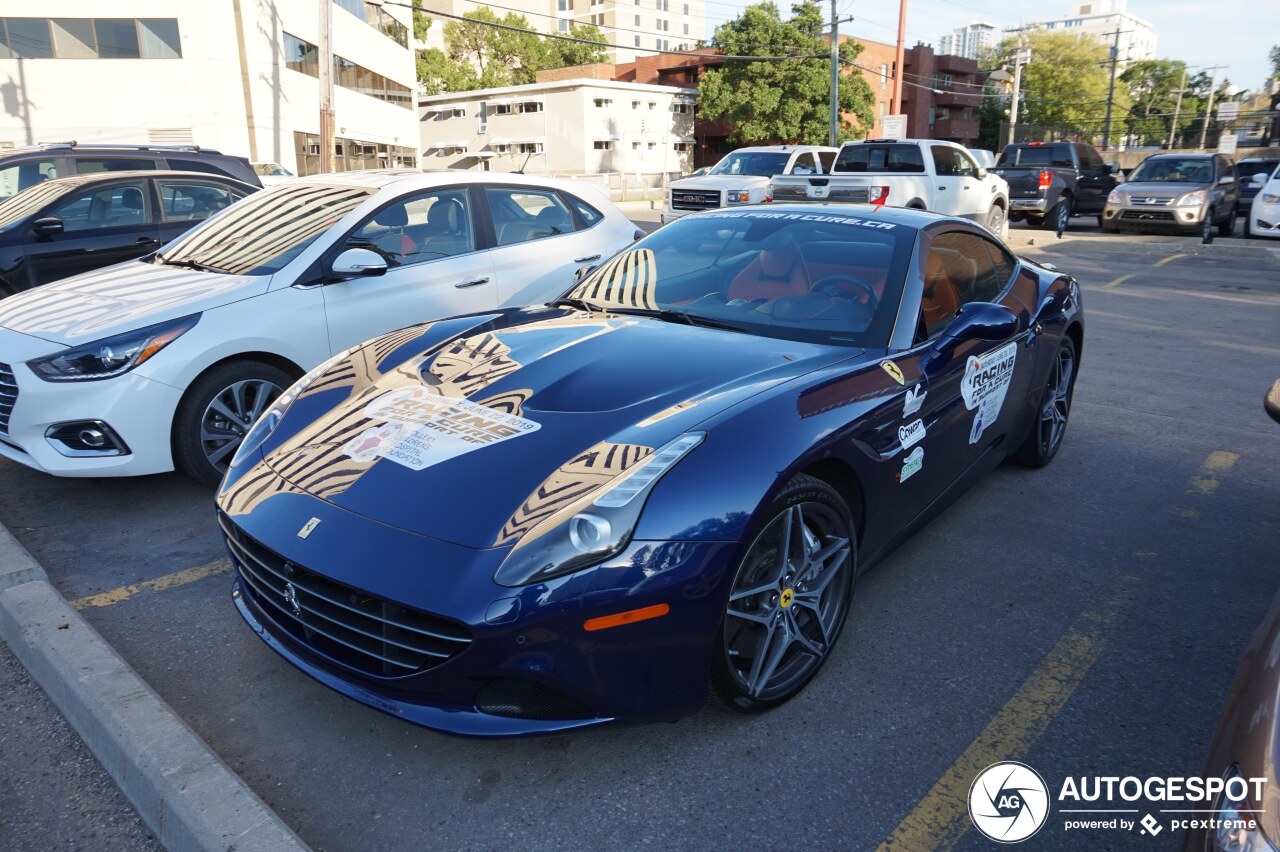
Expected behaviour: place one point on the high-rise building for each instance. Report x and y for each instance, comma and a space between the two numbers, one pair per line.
240, 77
631, 27
1106, 21
968, 40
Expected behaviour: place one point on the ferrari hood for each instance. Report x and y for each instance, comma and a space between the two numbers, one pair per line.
121, 298
461, 442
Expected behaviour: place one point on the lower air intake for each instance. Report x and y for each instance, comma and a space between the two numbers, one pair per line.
525, 699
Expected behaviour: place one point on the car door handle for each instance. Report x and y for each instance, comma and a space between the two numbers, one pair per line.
146, 241
474, 283
586, 259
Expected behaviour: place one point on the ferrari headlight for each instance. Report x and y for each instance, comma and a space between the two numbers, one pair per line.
270, 419
1191, 199
1232, 833
599, 527
111, 356
1117, 196
1268, 198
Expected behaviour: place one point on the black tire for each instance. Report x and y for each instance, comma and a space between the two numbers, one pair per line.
996, 220
1248, 228
1037, 221
1044, 437
205, 458
1101, 220
1060, 216
1228, 225
1206, 228
769, 595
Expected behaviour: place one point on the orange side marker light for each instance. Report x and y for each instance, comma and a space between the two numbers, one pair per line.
629, 617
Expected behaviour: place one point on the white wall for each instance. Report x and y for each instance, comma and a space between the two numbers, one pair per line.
121, 100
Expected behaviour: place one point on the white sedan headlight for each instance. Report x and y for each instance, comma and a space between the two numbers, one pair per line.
1268, 198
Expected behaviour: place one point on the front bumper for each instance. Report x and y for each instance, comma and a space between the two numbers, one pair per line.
137, 409
1264, 220
532, 636
1155, 217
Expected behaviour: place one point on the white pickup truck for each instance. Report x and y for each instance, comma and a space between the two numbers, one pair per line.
743, 177
923, 173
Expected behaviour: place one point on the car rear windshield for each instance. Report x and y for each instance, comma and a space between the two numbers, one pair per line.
817, 277
1036, 155
880, 159
267, 230
1173, 170
756, 164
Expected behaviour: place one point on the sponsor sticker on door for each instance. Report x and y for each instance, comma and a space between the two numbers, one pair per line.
985, 383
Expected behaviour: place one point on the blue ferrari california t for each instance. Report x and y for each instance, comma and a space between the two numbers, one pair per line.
665, 482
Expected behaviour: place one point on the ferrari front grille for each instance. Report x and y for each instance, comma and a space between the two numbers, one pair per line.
368, 633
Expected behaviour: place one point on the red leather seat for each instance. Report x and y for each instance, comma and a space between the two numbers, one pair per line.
941, 297
773, 273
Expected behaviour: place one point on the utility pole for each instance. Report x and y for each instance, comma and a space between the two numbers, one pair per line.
326, 87
1111, 91
899, 59
832, 131
1020, 57
1182, 87
1208, 110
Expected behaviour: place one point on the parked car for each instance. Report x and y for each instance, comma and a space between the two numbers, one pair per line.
924, 174
67, 226
1244, 745
743, 177
24, 167
1187, 193
1253, 173
983, 157
661, 484
1263, 216
167, 360
272, 173
1049, 182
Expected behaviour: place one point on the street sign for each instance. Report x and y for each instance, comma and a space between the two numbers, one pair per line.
1227, 143
895, 126
1228, 111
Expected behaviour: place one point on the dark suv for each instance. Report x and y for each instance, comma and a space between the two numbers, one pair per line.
1254, 173
64, 227
24, 167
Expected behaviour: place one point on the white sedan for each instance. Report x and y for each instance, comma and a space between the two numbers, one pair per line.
166, 361
1263, 217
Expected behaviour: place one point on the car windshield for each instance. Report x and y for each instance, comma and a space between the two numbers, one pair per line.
816, 277
33, 199
1173, 170
1248, 168
271, 170
756, 164
265, 231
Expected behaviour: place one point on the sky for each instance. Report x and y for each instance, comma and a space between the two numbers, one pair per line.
1237, 33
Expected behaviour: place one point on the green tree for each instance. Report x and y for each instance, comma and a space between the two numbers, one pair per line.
562, 53
498, 56
438, 73
1274, 56
421, 23
782, 100
1152, 85
1066, 81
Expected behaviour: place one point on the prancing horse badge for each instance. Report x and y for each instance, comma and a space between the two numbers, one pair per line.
308, 527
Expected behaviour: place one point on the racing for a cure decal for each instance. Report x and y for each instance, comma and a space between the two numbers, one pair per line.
421, 429
985, 383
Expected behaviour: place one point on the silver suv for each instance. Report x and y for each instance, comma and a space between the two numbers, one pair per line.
1187, 193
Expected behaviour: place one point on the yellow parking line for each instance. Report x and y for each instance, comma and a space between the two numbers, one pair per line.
1207, 480
1116, 282
942, 817
159, 584
1175, 256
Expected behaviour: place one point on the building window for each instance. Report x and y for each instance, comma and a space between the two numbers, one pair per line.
562, 25
682, 109
664, 5
602, 103
686, 8
303, 57
884, 75
635, 146
651, 145
683, 147
663, 25
662, 44
562, 5
502, 149
597, 2
502, 109
637, 40
603, 145
530, 106
90, 38
653, 105
598, 20
686, 29
637, 20
530, 148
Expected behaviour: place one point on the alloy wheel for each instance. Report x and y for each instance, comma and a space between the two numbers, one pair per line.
789, 601
230, 414
1057, 402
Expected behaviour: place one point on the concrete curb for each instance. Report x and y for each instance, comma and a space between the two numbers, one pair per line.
184, 792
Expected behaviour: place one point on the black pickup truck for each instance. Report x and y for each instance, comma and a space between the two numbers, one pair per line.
1051, 181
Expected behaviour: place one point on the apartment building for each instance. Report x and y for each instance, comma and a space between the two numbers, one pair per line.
578, 126
631, 27
1102, 20
969, 40
239, 76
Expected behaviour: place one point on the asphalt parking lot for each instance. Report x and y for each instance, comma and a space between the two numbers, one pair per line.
1084, 619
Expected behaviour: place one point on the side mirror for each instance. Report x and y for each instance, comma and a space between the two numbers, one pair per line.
1272, 402
359, 263
981, 321
1259, 180
982, 172
1226, 180
47, 226
1111, 168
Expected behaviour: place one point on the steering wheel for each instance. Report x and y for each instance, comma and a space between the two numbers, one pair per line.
836, 285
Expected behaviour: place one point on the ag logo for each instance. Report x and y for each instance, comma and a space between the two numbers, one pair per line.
1008, 802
